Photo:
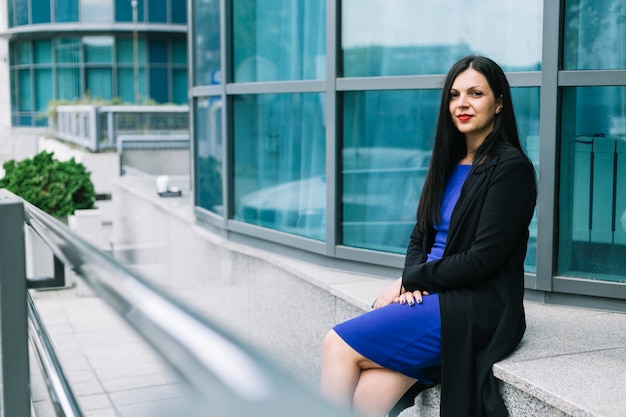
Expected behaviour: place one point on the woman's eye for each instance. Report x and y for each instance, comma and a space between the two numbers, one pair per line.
454, 94
476, 93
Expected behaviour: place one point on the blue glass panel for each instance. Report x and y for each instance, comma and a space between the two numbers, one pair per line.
44, 88
98, 49
179, 86
41, 11
280, 162
159, 85
126, 84
595, 35
179, 52
66, 10
67, 51
25, 86
279, 40
206, 42
157, 11
20, 12
124, 51
96, 11
99, 83
123, 11
68, 83
592, 204
10, 13
179, 11
385, 158
157, 52
43, 51
387, 38
208, 131
23, 52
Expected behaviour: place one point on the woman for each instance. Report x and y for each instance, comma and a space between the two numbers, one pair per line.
458, 307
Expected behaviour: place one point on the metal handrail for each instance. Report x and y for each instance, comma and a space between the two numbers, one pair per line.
63, 398
206, 356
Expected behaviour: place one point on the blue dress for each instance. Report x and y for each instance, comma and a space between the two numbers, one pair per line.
403, 338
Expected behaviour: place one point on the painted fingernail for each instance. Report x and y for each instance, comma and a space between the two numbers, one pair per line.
419, 301
411, 303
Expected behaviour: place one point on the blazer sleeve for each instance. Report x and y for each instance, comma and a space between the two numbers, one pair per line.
415, 253
490, 229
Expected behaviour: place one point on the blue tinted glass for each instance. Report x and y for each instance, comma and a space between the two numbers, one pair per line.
208, 131
157, 52
42, 51
279, 40
280, 162
98, 49
68, 83
126, 84
179, 86
595, 35
157, 11
526, 104
67, 51
20, 12
41, 11
408, 37
99, 83
385, 157
43, 88
179, 11
25, 99
66, 10
206, 42
592, 230
23, 53
179, 52
123, 11
159, 90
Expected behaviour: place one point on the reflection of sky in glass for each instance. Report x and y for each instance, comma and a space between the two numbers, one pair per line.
502, 29
96, 11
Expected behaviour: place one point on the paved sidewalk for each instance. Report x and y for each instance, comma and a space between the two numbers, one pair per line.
112, 372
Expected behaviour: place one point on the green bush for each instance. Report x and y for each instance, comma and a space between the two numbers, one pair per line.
56, 187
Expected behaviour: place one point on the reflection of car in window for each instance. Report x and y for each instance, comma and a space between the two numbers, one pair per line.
379, 185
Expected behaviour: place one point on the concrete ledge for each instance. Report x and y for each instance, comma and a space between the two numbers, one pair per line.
571, 362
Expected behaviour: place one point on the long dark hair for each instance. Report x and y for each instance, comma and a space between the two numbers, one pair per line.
449, 147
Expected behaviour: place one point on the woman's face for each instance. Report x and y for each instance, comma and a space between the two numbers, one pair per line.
473, 105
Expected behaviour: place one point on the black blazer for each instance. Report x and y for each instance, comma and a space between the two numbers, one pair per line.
480, 280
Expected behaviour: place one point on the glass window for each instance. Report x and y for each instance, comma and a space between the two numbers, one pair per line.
99, 83
157, 11
68, 83
157, 52
209, 148
96, 11
179, 86
595, 35
279, 40
43, 51
387, 140
124, 10
20, 12
67, 51
526, 104
41, 11
280, 162
179, 11
25, 98
43, 88
592, 229
126, 84
179, 52
66, 10
206, 42
412, 37
159, 85
124, 51
98, 49
23, 53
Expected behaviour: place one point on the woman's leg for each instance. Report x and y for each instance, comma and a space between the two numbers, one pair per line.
353, 381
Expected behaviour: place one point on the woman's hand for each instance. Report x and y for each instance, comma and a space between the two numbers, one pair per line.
410, 297
389, 294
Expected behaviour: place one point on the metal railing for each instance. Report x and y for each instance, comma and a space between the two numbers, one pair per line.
98, 128
195, 347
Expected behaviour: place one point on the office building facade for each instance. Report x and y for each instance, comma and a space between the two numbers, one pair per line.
313, 124
132, 51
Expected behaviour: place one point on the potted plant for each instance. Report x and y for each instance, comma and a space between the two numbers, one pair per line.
57, 187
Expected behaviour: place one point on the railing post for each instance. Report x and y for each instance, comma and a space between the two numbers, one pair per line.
13, 309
